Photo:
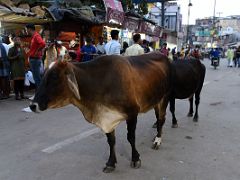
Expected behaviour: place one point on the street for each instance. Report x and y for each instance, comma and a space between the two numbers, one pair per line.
60, 145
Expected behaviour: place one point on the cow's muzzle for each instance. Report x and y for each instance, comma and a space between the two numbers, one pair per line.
34, 107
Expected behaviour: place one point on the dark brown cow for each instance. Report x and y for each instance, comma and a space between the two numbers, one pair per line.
108, 90
187, 78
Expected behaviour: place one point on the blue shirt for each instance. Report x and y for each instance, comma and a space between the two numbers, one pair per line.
87, 51
215, 53
113, 47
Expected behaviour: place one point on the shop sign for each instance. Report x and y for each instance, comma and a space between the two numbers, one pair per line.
150, 29
146, 1
114, 16
113, 4
131, 24
114, 11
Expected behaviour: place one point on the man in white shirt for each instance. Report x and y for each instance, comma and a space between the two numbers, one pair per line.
100, 46
113, 46
135, 49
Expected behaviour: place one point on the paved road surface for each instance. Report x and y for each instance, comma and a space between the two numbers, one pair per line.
60, 145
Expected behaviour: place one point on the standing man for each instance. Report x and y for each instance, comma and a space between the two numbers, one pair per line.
88, 50
113, 46
35, 53
238, 56
100, 46
4, 70
145, 46
135, 49
230, 55
17, 60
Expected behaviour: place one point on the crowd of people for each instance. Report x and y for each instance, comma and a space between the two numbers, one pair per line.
41, 56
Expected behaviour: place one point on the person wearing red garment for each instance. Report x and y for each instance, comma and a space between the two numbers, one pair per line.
35, 53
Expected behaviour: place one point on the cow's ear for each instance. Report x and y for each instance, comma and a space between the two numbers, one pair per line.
72, 83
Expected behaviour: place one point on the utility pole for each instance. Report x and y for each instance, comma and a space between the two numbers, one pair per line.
187, 37
163, 11
214, 9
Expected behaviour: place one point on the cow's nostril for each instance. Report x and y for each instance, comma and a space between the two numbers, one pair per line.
33, 107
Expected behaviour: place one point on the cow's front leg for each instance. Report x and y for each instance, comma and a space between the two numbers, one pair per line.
162, 106
131, 127
110, 165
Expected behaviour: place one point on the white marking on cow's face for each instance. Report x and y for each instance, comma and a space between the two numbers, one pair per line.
157, 141
107, 119
51, 64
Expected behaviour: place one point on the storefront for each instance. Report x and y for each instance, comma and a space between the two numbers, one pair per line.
73, 25
114, 18
130, 26
14, 19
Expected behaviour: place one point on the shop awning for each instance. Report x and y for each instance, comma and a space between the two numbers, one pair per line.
83, 14
21, 16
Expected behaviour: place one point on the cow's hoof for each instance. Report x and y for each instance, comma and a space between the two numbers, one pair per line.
136, 164
155, 146
154, 125
174, 125
190, 115
108, 169
157, 142
195, 119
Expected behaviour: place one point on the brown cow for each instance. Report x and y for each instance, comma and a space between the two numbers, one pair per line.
108, 90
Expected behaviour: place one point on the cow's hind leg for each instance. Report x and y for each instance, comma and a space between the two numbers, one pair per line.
197, 101
131, 127
172, 109
190, 113
162, 106
197, 95
110, 165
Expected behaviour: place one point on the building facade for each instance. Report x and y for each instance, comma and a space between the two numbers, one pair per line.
172, 22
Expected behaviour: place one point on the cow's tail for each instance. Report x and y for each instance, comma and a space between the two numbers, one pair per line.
171, 78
